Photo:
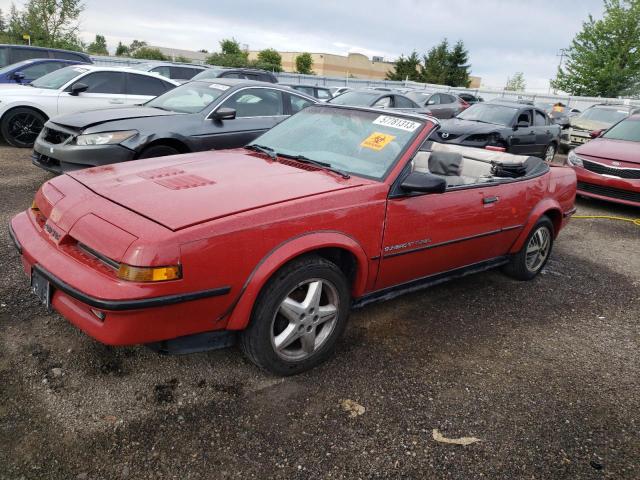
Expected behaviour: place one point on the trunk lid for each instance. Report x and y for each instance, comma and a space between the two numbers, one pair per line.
184, 190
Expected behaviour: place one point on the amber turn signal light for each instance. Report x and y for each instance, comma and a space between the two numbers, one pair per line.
34, 206
149, 274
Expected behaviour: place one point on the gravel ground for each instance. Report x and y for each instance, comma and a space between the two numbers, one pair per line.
545, 373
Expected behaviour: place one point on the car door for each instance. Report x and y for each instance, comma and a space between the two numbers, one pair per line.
429, 234
544, 133
449, 105
434, 105
105, 89
142, 88
257, 110
523, 138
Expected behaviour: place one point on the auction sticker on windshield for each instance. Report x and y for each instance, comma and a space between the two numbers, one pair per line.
377, 141
218, 86
395, 122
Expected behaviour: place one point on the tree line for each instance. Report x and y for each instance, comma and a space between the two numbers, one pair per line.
442, 65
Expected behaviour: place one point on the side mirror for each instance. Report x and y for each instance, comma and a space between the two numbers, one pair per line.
424, 183
521, 124
18, 77
78, 88
431, 102
224, 113
596, 133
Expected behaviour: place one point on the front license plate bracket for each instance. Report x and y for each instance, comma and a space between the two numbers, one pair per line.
41, 288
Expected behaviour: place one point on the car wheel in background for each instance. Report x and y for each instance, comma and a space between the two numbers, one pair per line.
549, 153
21, 126
298, 317
533, 256
158, 151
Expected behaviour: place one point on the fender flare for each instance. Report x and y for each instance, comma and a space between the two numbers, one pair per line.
240, 313
544, 206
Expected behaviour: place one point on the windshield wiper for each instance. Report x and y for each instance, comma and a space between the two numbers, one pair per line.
324, 165
270, 152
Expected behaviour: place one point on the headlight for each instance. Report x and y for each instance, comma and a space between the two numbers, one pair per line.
105, 138
574, 159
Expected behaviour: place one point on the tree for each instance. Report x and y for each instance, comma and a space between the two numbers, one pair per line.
182, 59
436, 64
269, 59
458, 68
98, 47
406, 68
122, 50
231, 55
147, 53
304, 63
136, 45
516, 83
50, 23
604, 58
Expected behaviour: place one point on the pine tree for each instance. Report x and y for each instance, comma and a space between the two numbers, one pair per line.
406, 68
458, 74
436, 64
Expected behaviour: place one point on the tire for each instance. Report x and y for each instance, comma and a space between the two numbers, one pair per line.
21, 126
158, 151
563, 149
521, 268
549, 153
287, 312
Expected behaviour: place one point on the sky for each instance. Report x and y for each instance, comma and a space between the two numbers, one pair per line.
502, 36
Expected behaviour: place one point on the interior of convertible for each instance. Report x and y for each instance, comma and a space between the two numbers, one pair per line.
468, 166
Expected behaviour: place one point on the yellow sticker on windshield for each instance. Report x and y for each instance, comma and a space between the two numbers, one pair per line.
377, 141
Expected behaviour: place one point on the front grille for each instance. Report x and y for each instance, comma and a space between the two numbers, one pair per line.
55, 136
609, 192
632, 173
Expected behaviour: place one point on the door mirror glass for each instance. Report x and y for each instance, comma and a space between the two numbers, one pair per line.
224, 113
78, 88
424, 183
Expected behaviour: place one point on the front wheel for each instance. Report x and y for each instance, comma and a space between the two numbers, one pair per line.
298, 317
21, 126
533, 256
550, 153
158, 151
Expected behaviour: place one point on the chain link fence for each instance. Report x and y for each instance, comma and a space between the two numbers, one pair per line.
580, 103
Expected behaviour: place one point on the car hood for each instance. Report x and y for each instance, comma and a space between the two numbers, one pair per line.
185, 190
89, 118
585, 124
605, 148
458, 126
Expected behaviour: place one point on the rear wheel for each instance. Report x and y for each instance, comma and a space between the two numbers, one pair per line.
21, 126
158, 151
298, 317
533, 256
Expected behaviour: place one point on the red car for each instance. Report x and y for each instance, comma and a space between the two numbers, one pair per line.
273, 244
608, 167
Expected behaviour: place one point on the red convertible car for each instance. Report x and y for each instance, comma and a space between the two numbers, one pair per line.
272, 245
608, 167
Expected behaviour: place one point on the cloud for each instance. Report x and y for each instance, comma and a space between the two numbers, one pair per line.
503, 36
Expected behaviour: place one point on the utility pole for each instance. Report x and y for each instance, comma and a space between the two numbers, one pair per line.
561, 53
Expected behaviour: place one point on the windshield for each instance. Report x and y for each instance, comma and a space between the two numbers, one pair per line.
192, 97
57, 79
419, 97
356, 99
489, 113
361, 143
628, 129
207, 74
604, 115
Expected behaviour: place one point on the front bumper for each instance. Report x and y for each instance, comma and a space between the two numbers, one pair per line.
114, 312
612, 189
571, 138
64, 157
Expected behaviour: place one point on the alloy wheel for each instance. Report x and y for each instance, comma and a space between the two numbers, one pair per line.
25, 128
538, 249
305, 319
550, 154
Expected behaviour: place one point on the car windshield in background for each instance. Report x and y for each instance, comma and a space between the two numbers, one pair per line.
192, 97
489, 113
604, 115
418, 97
628, 130
356, 99
14, 66
57, 79
361, 143
207, 74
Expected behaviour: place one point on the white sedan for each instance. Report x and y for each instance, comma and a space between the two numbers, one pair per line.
24, 109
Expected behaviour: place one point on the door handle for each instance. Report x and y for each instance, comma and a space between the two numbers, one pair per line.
488, 200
